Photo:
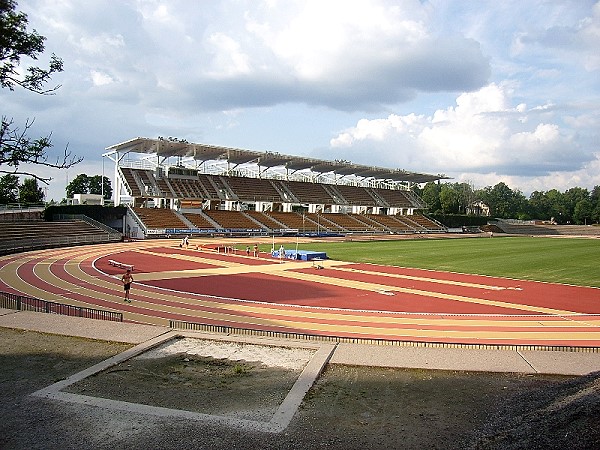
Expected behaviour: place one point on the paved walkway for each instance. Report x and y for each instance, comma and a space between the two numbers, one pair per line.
516, 361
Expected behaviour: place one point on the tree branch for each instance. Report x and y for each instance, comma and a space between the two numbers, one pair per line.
16, 149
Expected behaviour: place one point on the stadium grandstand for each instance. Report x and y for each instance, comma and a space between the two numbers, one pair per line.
173, 187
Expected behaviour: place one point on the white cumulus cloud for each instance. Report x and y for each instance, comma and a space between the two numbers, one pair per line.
482, 134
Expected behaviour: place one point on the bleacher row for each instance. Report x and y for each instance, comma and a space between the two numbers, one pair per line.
141, 183
33, 234
547, 230
159, 218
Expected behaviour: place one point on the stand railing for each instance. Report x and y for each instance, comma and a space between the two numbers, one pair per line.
24, 303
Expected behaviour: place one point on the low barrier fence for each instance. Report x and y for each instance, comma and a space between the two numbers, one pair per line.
229, 330
24, 303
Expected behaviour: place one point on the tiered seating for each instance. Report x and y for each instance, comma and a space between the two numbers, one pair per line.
178, 188
546, 229
395, 198
195, 187
199, 221
368, 219
148, 179
294, 221
24, 235
392, 223
219, 189
164, 187
143, 176
425, 222
130, 180
210, 191
204, 181
325, 222
250, 189
356, 195
187, 188
143, 183
233, 220
158, 218
10, 231
267, 221
309, 192
348, 222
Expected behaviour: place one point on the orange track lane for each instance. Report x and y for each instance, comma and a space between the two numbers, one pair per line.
343, 299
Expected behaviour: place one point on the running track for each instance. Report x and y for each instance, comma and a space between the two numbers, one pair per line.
346, 300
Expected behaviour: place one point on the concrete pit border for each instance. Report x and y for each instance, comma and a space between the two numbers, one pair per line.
279, 421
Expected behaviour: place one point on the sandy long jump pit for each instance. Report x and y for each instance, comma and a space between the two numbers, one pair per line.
345, 300
244, 383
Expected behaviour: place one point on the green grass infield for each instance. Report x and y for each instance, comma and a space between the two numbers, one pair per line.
558, 260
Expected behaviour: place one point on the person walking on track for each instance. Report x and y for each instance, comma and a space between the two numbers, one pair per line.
127, 279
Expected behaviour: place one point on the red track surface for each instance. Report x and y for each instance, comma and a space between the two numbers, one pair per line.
346, 300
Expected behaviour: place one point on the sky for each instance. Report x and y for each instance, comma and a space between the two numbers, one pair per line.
481, 91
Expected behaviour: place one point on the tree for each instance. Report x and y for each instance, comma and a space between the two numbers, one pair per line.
9, 189
504, 203
557, 210
466, 196
538, 206
595, 199
16, 148
30, 192
431, 196
96, 184
82, 184
582, 214
571, 198
79, 185
449, 199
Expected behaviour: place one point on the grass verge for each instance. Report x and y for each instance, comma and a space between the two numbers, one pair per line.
565, 260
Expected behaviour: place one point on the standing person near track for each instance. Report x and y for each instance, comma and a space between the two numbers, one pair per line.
255, 250
281, 253
127, 279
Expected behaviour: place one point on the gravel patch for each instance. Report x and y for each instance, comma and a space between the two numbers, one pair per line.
283, 357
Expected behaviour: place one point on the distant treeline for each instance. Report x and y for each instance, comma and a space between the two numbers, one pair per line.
574, 206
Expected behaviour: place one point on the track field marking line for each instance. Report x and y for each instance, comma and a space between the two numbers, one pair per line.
12, 278
281, 270
233, 269
564, 327
427, 279
379, 287
192, 258
182, 303
238, 313
356, 326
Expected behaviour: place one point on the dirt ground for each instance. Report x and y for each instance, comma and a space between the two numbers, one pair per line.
244, 390
348, 408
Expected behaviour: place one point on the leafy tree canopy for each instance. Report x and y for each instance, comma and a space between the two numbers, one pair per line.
9, 189
575, 205
83, 184
30, 192
16, 42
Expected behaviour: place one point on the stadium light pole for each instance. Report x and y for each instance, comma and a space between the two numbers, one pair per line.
102, 183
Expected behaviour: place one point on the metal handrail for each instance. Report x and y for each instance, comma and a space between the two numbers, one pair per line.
24, 303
